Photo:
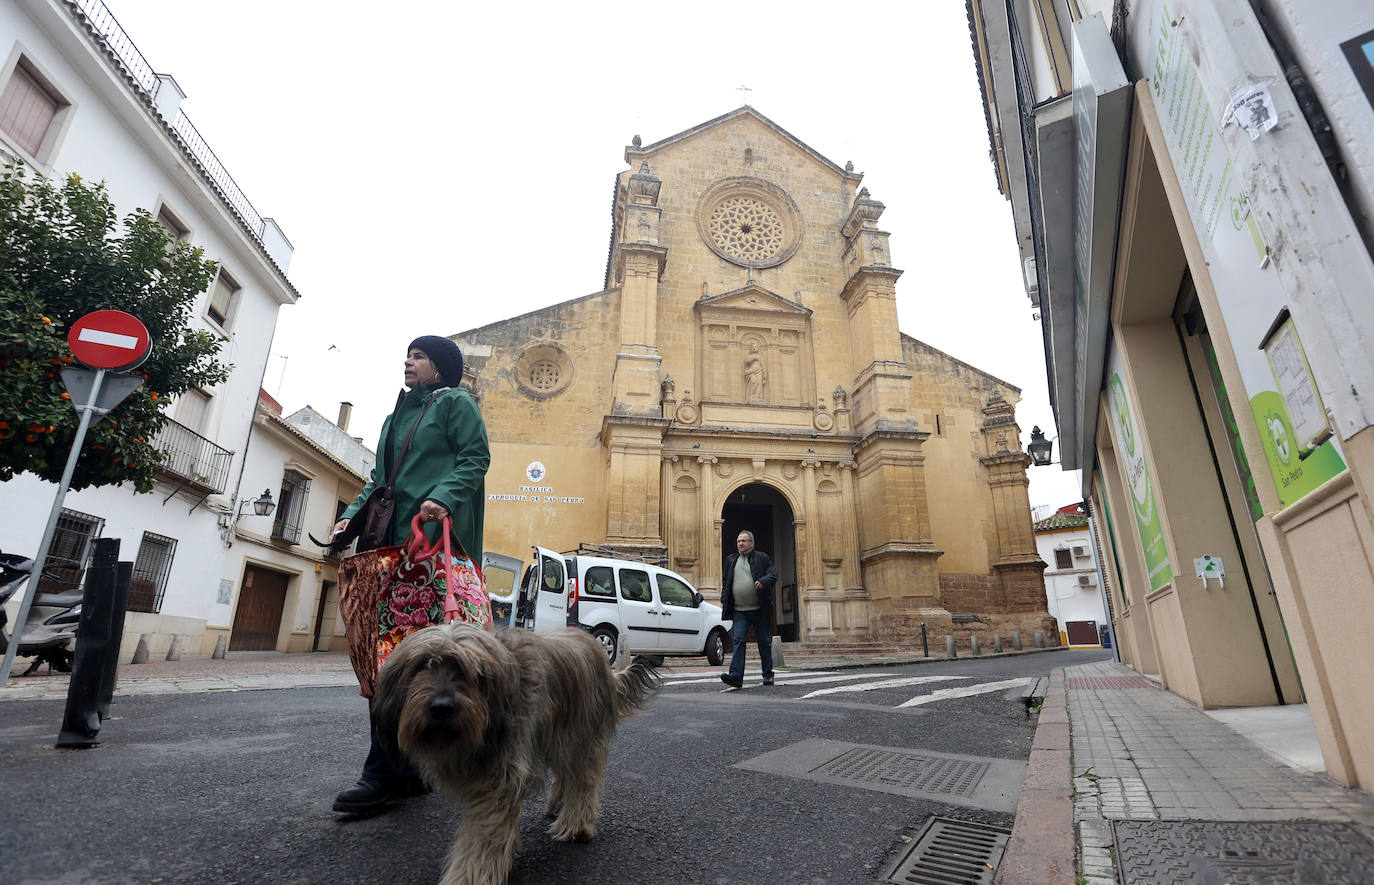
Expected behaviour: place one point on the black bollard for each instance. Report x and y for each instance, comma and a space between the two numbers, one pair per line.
925, 649
81, 720
124, 578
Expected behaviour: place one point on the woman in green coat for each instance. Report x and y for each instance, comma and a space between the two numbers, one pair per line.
442, 474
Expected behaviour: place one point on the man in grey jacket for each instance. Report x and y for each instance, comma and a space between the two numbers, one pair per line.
746, 598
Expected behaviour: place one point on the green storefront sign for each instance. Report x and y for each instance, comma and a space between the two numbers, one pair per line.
1141, 487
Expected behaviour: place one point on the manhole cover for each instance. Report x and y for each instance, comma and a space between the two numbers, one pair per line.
952, 852
914, 771
1241, 853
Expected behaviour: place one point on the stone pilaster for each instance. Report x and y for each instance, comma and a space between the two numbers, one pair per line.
634, 449
816, 602
882, 384
638, 261
1013, 554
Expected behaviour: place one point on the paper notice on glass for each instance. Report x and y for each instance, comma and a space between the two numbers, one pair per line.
1252, 107
1295, 385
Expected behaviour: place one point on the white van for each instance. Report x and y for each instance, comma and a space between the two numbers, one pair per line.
650, 609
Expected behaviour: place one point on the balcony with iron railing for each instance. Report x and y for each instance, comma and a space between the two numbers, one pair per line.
192, 459
114, 38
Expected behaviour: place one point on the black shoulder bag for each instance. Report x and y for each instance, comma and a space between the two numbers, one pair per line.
371, 524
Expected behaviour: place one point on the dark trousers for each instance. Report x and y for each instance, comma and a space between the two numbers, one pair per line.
378, 766
759, 619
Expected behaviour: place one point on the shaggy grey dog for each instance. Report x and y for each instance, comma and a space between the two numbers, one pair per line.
484, 715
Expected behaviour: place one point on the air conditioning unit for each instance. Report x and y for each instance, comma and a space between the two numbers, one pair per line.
1086, 581
1080, 551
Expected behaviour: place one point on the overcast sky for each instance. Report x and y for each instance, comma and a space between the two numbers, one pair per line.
441, 166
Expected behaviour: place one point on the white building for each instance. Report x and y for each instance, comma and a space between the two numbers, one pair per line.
77, 96
1064, 542
277, 591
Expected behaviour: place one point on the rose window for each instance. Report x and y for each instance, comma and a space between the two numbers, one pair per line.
746, 228
544, 375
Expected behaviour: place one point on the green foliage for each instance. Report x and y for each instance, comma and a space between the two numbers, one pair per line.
61, 258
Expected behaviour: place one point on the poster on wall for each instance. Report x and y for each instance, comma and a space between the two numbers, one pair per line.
1136, 473
1359, 51
1299, 448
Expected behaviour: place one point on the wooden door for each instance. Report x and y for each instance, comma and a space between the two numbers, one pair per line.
258, 618
1082, 632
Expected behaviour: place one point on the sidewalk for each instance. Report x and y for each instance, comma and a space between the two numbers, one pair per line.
1146, 787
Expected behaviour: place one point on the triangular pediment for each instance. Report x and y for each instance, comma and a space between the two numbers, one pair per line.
633, 153
752, 297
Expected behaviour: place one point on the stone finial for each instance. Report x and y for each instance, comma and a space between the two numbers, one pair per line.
668, 386
839, 396
863, 193
643, 165
636, 141
849, 165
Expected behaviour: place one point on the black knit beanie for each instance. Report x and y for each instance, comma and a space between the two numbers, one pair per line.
445, 355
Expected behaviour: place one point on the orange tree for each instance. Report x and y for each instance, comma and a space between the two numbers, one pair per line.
63, 255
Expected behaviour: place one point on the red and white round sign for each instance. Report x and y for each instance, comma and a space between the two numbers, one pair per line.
110, 339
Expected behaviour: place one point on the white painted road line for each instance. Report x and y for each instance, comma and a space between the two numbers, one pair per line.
945, 694
884, 683
788, 679
684, 678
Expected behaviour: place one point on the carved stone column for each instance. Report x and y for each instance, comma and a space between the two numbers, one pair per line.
856, 596
711, 526
816, 602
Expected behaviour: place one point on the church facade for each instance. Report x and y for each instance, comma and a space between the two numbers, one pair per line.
742, 368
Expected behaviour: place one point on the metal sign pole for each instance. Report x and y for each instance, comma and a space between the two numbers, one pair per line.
17, 632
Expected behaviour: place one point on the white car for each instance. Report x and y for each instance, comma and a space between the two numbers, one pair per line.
649, 609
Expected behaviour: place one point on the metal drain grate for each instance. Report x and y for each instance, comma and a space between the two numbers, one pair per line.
952, 852
929, 774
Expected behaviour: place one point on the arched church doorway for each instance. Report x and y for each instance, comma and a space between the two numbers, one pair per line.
764, 511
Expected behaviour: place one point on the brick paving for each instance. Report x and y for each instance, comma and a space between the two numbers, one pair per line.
1142, 753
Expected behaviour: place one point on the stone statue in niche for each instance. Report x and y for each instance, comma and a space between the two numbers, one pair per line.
755, 376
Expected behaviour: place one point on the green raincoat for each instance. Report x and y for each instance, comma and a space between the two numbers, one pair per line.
446, 462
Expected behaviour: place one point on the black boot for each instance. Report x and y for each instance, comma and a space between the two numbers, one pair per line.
367, 796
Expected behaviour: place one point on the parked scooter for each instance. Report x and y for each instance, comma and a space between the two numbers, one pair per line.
49, 634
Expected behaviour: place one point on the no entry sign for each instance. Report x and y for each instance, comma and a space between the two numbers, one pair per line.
109, 339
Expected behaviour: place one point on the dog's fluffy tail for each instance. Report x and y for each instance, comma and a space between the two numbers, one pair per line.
635, 686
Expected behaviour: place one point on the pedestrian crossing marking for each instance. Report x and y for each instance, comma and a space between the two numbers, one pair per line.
882, 683
964, 691
787, 679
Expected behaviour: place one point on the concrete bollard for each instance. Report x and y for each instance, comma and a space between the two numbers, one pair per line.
220, 646
141, 650
950, 651
777, 651
1016, 640
174, 650
1039, 639
997, 643
973, 646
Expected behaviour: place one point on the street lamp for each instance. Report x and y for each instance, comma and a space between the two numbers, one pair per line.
262, 505
1039, 448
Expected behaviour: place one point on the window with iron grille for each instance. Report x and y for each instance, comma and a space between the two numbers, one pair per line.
70, 552
151, 571
295, 489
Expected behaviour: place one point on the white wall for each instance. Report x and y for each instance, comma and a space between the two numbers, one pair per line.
1068, 600
111, 137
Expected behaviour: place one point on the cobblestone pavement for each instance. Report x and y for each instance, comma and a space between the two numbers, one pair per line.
1142, 753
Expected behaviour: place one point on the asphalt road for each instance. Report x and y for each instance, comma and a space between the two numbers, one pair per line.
236, 787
